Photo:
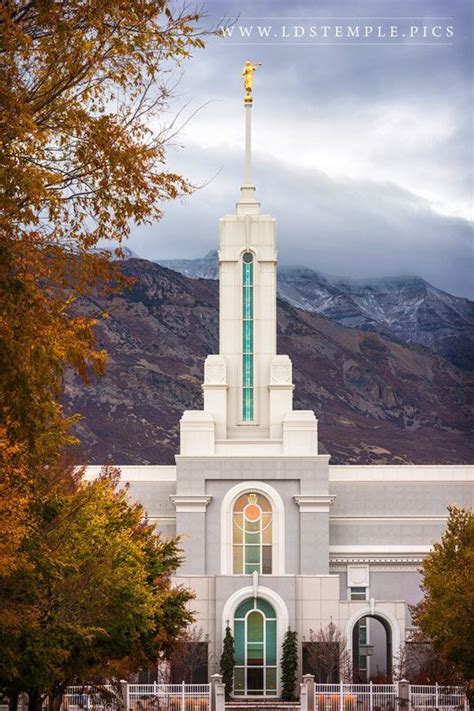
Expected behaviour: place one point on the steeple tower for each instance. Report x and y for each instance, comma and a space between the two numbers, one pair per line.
248, 389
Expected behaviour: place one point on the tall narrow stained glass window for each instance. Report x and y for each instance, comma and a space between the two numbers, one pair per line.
252, 524
247, 338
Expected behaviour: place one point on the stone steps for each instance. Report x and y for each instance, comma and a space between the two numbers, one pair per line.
259, 706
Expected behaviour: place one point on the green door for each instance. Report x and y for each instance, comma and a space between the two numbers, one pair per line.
255, 672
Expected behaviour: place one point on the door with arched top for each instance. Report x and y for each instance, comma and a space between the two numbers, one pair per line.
255, 635
371, 648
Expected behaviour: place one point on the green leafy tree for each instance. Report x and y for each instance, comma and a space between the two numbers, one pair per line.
95, 588
228, 663
446, 613
289, 665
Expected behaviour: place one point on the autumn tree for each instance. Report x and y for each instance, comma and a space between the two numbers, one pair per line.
79, 160
326, 655
13, 520
189, 660
418, 662
445, 615
82, 88
94, 585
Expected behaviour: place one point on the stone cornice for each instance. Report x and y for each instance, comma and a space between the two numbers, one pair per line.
379, 560
281, 386
190, 504
310, 503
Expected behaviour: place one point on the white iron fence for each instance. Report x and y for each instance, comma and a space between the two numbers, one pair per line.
401, 696
168, 697
131, 697
437, 697
355, 697
388, 697
90, 698
138, 697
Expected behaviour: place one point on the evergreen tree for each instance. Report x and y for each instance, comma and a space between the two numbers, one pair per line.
228, 663
289, 665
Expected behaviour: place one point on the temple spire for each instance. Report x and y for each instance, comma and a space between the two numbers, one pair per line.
248, 144
247, 202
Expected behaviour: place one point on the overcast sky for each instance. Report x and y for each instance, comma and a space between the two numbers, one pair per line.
362, 147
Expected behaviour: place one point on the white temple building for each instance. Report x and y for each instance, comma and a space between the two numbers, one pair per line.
273, 535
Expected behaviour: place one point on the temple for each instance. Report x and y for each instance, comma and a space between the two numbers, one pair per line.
274, 536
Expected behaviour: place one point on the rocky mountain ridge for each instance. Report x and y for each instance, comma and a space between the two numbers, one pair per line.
406, 308
377, 401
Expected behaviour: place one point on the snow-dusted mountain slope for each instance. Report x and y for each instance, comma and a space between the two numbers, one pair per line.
407, 309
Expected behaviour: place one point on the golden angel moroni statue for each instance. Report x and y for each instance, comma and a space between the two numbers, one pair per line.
247, 74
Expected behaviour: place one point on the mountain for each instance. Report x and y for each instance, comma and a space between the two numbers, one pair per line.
376, 400
127, 253
200, 268
406, 309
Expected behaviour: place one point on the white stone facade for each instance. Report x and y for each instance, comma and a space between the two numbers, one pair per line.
336, 532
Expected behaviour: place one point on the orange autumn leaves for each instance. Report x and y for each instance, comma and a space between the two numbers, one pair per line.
80, 161
79, 82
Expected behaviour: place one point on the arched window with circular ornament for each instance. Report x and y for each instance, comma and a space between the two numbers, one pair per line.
252, 534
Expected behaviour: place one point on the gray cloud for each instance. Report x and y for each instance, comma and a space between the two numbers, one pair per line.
345, 227
363, 154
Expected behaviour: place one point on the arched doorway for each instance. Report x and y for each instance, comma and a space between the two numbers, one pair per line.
372, 648
255, 635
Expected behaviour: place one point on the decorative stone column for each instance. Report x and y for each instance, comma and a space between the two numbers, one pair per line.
191, 524
281, 393
300, 433
197, 434
314, 533
215, 392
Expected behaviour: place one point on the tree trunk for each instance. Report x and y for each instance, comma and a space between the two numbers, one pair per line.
13, 700
57, 699
35, 700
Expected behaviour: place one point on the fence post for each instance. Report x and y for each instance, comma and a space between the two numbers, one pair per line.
341, 696
303, 697
183, 690
403, 695
217, 693
371, 698
125, 694
308, 681
436, 696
